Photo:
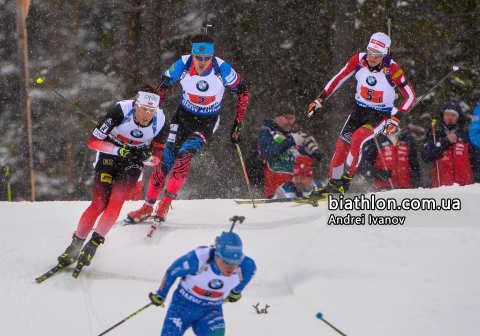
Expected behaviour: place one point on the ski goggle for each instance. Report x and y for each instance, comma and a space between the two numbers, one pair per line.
145, 109
376, 55
231, 262
200, 58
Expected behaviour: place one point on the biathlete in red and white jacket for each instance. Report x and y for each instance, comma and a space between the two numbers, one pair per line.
203, 78
458, 159
131, 134
377, 76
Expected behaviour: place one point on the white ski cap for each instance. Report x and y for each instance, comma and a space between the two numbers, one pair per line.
380, 42
148, 99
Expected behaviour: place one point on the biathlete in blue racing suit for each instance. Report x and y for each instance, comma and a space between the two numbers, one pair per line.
209, 277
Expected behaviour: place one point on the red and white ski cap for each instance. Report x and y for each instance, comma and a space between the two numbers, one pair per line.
148, 99
303, 166
380, 42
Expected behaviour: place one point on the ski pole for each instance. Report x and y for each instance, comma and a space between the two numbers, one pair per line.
40, 81
436, 161
381, 156
125, 319
234, 219
454, 68
246, 175
320, 316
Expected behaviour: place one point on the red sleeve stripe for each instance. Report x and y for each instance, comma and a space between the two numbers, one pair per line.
410, 98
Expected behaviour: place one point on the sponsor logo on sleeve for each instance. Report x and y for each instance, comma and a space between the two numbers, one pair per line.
99, 135
108, 162
172, 137
231, 76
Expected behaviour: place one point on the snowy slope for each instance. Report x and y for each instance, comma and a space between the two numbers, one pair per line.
365, 280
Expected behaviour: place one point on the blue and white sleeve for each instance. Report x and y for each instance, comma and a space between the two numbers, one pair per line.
175, 71
248, 271
229, 76
187, 264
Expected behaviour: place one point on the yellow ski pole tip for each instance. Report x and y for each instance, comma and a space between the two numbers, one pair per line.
255, 206
39, 81
434, 121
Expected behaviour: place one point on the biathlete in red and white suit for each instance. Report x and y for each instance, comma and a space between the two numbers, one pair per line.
132, 134
203, 78
377, 76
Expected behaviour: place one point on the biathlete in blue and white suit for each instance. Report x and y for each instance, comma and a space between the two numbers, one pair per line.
209, 277
203, 78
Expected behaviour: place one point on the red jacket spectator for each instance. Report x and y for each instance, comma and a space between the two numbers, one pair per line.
458, 160
400, 156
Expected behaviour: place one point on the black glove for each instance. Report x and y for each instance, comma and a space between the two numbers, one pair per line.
157, 300
144, 153
134, 153
383, 175
236, 132
232, 297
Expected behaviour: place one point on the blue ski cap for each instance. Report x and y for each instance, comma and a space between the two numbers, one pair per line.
229, 248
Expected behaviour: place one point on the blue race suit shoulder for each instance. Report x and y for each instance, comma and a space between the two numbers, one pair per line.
229, 76
186, 264
248, 271
176, 70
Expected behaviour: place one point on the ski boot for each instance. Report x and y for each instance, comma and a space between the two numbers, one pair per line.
334, 187
141, 214
161, 212
89, 249
71, 253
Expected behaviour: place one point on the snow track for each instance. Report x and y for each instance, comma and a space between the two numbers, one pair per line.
365, 280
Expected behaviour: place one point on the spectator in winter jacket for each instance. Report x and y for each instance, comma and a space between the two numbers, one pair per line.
400, 156
458, 160
279, 147
302, 184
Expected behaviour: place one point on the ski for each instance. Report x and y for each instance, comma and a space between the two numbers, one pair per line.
52, 272
78, 269
311, 201
153, 228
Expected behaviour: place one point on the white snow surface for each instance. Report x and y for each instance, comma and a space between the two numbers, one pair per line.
387, 280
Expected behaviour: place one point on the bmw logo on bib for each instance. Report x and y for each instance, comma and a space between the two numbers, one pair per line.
215, 284
371, 80
136, 133
202, 86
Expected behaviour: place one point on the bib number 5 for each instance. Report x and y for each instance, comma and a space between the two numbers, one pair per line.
371, 95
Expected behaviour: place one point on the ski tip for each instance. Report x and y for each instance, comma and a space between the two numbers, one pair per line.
319, 315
